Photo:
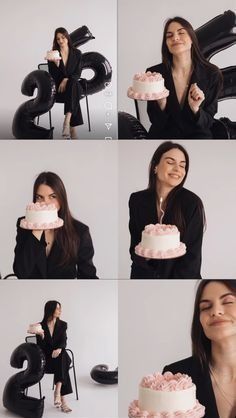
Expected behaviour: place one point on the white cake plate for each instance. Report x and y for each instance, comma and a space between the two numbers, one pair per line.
154, 96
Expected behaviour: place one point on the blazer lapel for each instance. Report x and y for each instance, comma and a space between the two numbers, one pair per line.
206, 394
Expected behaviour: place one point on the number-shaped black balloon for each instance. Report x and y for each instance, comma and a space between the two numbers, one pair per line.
23, 126
14, 398
102, 374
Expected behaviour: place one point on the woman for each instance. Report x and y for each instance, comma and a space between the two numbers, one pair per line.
194, 85
52, 340
66, 71
167, 173
213, 364
63, 253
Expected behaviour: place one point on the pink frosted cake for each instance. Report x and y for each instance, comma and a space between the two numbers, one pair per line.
166, 396
160, 241
41, 216
53, 55
148, 86
34, 328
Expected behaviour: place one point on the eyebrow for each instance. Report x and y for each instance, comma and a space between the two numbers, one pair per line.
37, 194
171, 158
221, 297
177, 30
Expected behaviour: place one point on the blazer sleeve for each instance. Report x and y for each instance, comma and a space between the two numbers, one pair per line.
85, 266
54, 72
76, 73
204, 118
189, 266
133, 225
155, 114
29, 252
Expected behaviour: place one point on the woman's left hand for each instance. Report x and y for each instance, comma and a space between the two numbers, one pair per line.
195, 97
62, 85
56, 353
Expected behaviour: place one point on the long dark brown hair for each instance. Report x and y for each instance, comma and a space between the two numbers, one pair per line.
49, 309
173, 197
66, 236
196, 54
201, 345
64, 32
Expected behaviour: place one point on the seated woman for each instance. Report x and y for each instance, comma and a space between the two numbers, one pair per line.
194, 85
52, 338
167, 174
66, 71
213, 363
63, 253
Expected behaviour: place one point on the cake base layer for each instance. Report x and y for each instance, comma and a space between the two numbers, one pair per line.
132, 94
41, 226
135, 412
157, 254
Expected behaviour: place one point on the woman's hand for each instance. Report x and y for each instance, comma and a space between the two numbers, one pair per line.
56, 353
162, 103
62, 86
195, 97
41, 333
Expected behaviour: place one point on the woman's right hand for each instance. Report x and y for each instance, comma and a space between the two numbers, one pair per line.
40, 333
162, 103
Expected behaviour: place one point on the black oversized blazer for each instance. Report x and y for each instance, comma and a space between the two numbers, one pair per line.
72, 69
201, 378
31, 261
52, 342
177, 122
143, 211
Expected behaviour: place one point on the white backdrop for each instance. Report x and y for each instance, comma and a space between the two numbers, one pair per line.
90, 309
211, 176
89, 172
28, 29
140, 28
154, 330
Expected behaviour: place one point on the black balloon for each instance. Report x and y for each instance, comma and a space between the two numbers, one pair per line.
102, 71
129, 127
229, 83
80, 36
217, 34
14, 398
102, 374
23, 126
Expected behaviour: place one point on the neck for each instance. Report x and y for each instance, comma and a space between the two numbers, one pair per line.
53, 320
182, 63
223, 358
162, 191
64, 48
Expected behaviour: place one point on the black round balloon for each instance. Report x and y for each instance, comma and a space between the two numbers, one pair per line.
81, 36
102, 71
217, 34
101, 374
14, 398
129, 127
23, 126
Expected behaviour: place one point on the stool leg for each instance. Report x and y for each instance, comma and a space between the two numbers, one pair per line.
76, 388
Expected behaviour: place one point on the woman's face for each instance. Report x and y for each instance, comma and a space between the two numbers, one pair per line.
171, 169
218, 311
57, 311
177, 39
62, 41
46, 194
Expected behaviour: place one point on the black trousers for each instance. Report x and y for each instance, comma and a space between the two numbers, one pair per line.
71, 99
60, 368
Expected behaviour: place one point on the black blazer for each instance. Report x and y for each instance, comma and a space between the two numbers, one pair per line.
57, 340
72, 69
31, 261
201, 378
177, 122
143, 211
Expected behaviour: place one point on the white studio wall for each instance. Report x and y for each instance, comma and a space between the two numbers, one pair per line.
211, 176
89, 172
154, 333
29, 30
140, 35
90, 310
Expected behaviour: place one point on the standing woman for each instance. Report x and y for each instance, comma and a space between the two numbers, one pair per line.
194, 85
52, 340
66, 71
63, 253
167, 173
213, 363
